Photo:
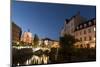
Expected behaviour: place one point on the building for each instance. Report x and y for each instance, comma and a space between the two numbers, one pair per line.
27, 37
82, 30
16, 33
47, 42
55, 44
86, 34
70, 24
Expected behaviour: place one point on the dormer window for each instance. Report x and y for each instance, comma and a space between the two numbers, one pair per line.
90, 23
84, 25
80, 26
77, 28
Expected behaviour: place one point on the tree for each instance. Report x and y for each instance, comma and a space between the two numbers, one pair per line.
67, 47
67, 41
36, 40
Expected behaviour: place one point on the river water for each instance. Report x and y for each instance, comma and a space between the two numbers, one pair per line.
43, 59
27, 57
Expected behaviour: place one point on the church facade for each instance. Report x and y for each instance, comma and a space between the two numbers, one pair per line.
27, 37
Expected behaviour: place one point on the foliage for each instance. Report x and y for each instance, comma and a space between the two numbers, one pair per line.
67, 41
67, 48
36, 40
20, 56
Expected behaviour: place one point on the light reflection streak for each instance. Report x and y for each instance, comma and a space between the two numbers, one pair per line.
38, 60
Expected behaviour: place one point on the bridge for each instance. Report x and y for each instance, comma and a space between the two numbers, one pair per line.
33, 48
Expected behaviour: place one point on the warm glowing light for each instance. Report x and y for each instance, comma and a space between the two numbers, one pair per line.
27, 37
18, 64
94, 29
46, 42
92, 46
17, 43
94, 38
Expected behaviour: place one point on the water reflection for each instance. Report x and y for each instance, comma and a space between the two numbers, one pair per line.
43, 59
27, 57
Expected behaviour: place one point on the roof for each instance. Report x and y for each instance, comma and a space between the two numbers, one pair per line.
46, 38
81, 26
75, 16
49, 39
15, 25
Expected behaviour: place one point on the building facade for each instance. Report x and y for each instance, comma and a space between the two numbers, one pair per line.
55, 44
16, 33
47, 42
70, 24
27, 38
86, 34
84, 31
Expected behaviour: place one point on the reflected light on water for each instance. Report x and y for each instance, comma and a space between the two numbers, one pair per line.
38, 60
18, 64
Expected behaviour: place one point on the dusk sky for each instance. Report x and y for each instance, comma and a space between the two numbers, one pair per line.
45, 19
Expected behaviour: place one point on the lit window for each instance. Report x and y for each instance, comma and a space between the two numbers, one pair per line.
94, 38
46, 42
94, 29
92, 46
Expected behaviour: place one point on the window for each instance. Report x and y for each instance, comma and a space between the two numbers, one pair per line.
84, 25
84, 38
80, 39
89, 23
80, 26
89, 30
94, 29
94, 38
84, 31
90, 38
